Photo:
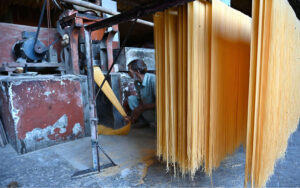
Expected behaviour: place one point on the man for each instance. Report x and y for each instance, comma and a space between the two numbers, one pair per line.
143, 105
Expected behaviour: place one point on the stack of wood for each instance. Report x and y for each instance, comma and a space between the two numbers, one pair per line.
203, 64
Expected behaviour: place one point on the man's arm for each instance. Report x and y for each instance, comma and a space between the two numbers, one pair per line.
144, 107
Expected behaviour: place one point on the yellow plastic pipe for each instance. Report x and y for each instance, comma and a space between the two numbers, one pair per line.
99, 77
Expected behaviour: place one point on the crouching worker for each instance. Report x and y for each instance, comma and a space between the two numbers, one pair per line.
143, 105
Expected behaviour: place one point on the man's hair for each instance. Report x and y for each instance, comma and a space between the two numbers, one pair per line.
138, 65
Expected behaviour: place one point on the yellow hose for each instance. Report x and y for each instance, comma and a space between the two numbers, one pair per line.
99, 77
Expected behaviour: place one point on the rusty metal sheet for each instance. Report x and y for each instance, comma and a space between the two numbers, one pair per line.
45, 110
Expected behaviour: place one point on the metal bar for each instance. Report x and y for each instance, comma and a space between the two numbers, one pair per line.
136, 12
90, 171
73, 41
102, 9
112, 162
109, 47
91, 94
29, 64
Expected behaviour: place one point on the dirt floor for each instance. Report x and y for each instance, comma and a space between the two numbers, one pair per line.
137, 165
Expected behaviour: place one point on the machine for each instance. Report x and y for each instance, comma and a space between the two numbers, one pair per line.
48, 94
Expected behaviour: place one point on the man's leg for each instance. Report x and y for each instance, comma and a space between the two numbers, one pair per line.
150, 117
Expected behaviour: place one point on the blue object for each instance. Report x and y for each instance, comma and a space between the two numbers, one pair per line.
28, 48
227, 2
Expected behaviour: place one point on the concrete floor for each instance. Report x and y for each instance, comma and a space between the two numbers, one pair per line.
54, 166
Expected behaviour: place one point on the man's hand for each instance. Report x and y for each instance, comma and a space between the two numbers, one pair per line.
127, 119
136, 113
139, 110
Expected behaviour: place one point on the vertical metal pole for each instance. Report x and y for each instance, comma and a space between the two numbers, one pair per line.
91, 94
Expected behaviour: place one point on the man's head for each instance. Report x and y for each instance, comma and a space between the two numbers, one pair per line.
137, 69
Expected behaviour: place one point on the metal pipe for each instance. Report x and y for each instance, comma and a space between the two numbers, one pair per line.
91, 93
102, 9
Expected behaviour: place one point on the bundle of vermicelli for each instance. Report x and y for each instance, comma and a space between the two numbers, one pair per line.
203, 53
203, 64
274, 92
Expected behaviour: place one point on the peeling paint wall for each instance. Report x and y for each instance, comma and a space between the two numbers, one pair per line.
45, 110
6, 115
